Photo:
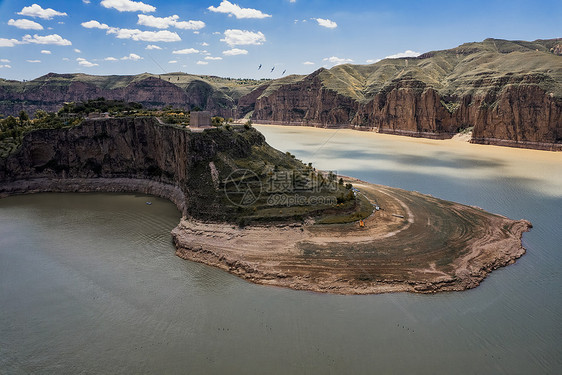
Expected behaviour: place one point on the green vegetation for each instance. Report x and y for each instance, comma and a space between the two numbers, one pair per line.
13, 129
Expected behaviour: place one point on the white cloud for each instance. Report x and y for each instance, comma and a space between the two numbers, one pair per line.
33, 61
165, 22
85, 62
36, 11
201, 62
173, 62
25, 24
93, 24
5, 66
86, 1
128, 6
213, 58
234, 52
47, 39
234, 37
204, 44
326, 23
236, 11
145, 36
308, 63
337, 60
185, 51
8, 42
77, 50
132, 56
407, 53
110, 58
4, 60
45, 52
65, 59
153, 46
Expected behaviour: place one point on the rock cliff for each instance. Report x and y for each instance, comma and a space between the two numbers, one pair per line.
509, 92
123, 153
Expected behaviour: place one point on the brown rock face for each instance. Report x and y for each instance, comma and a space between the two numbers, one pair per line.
305, 102
520, 114
127, 149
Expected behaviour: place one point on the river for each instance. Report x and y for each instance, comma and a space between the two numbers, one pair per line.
89, 282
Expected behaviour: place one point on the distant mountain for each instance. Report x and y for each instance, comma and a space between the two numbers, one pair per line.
51, 91
510, 92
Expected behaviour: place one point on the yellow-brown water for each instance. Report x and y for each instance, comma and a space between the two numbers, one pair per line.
89, 282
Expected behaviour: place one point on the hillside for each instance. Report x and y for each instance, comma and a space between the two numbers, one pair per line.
51, 91
509, 92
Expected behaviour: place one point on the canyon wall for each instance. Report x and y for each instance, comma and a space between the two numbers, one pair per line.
124, 152
521, 114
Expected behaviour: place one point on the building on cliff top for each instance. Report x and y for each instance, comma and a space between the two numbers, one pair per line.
200, 119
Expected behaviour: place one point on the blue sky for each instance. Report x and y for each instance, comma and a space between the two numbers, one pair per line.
232, 38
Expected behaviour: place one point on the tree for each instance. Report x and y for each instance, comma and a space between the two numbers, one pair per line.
39, 114
23, 117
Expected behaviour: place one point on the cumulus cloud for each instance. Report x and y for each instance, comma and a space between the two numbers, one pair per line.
204, 44
326, 23
145, 36
337, 60
185, 51
134, 34
201, 62
93, 24
86, 1
45, 52
132, 56
173, 62
85, 62
128, 6
234, 37
8, 42
5, 66
110, 58
4, 61
77, 50
236, 11
407, 53
213, 58
165, 22
33, 61
36, 11
25, 24
153, 46
234, 52
308, 63
47, 39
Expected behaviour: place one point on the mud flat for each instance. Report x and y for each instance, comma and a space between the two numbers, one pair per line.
414, 243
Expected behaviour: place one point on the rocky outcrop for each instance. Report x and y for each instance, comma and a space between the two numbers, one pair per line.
124, 150
305, 102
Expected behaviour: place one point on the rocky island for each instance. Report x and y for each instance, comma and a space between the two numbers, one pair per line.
266, 216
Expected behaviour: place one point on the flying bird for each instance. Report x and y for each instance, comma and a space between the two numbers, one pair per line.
259, 67
272, 69
284, 72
